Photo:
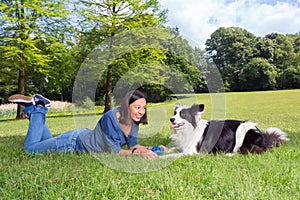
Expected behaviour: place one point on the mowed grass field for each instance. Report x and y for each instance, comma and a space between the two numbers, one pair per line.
274, 174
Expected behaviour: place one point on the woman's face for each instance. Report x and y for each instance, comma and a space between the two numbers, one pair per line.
137, 109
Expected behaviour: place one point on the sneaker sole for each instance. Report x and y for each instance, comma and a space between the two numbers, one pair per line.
20, 98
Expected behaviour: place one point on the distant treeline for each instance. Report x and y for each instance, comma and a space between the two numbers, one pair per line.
43, 45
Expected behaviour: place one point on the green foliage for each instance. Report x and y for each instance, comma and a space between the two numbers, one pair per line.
45, 43
247, 62
8, 82
143, 59
231, 48
7, 113
33, 43
286, 60
266, 48
258, 74
107, 19
22, 34
291, 77
284, 50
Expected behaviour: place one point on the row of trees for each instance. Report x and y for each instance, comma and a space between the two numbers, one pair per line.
247, 62
44, 46
46, 41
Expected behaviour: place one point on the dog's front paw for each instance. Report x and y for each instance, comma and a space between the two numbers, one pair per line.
172, 150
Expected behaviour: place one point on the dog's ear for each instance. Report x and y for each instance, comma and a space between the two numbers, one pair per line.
201, 107
197, 108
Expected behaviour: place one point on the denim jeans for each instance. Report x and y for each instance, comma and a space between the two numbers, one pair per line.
39, 138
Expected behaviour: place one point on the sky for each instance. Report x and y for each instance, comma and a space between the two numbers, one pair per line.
198, 19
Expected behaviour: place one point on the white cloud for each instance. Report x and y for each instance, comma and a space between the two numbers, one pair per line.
197, 20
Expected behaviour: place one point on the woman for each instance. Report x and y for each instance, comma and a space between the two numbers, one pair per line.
115, 128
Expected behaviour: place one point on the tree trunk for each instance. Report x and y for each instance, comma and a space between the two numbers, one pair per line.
21, 81
108, 92
21, 90
109, 78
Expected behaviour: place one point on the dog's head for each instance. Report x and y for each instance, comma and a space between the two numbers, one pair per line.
184, 114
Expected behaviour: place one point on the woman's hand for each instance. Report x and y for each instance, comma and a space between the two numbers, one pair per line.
149, 147
164, 148
145, 153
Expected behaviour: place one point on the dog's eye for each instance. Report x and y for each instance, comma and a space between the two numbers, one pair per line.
182, 114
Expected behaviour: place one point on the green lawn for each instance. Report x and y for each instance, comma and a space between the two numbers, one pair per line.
271, 175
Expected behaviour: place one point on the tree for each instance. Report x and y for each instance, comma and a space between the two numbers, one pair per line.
284, 55
8, 82
284, 50
188, 60
258, 74
25, 24
107, 18
266, 48
291, 77
297, 43
230, 49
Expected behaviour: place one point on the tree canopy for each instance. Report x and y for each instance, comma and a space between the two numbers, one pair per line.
44, 44
31, 40
247, 62
108, 18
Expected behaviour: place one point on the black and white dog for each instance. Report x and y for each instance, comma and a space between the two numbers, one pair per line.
192, 134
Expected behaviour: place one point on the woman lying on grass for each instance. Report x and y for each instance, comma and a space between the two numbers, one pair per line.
115, 128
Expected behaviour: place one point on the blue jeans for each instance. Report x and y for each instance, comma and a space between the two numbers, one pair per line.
39, 138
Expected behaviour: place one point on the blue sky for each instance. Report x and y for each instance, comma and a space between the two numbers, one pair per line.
198, 19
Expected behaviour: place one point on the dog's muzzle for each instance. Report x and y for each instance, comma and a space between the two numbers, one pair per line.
175, 125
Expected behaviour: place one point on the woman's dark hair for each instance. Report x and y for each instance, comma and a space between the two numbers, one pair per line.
129, 98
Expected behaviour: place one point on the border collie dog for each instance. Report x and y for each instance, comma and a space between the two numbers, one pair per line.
192, 134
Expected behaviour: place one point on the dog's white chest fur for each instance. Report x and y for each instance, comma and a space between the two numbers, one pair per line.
187, 138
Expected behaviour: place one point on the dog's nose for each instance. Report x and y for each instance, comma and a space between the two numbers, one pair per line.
172, 119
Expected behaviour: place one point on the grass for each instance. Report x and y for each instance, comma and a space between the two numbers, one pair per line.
271, 175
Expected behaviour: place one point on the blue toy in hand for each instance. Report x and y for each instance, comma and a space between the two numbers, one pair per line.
158, 150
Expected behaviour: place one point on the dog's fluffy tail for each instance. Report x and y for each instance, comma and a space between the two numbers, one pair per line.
275, 136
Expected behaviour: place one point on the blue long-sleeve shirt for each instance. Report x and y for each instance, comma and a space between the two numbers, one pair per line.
108, 135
